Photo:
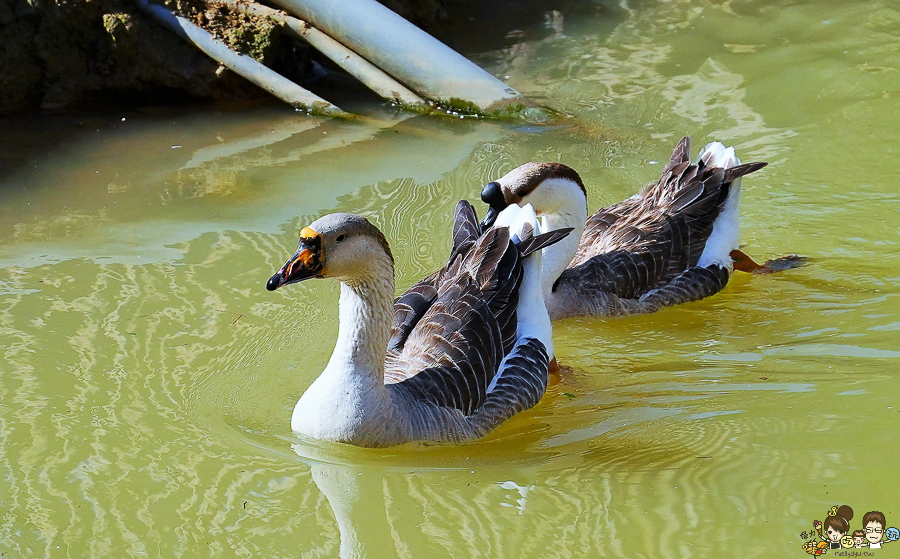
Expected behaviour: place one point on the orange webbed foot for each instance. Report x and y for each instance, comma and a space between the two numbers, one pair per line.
554, 373
744, 263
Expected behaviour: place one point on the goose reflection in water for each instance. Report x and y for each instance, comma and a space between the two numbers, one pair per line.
357, 500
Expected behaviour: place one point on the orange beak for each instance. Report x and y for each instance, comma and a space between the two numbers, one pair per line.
306, 263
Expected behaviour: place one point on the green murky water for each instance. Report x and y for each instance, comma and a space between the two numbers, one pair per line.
147, 377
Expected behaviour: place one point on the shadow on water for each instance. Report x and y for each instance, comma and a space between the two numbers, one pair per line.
170, 193
472, 26
30, 141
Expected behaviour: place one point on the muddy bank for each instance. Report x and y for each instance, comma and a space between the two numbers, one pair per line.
61, 55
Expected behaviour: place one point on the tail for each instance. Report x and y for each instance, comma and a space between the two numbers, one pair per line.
722, 247
715, 154
725, 235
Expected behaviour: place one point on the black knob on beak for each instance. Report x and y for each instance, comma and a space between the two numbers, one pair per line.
492, 195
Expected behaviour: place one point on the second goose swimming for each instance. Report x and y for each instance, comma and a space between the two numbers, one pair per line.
675, 241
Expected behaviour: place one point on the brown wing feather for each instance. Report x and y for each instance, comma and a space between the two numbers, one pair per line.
639, 245
494, 265
411, 306
522, 385
453, 353
681, 154
453, 330
466, 228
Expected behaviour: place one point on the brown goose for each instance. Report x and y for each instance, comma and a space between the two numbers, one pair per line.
444, 371
675, 241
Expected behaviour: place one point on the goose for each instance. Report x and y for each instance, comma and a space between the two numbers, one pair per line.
676, 241
438, 364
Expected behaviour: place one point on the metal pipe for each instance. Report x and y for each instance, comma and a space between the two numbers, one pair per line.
370, 75
424, 64
244, 66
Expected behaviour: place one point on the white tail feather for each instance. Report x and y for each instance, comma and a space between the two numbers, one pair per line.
726, 231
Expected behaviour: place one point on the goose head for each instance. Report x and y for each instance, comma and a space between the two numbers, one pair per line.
551, 188
342, 246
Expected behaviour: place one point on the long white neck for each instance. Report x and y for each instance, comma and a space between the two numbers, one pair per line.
348, 402
555, 258
364, 330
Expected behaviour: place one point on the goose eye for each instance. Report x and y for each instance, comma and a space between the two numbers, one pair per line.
339, 238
